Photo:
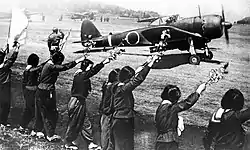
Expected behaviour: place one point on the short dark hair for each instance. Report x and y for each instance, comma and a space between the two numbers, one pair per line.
33, 60
57, 57
171, 93
55, 29
232, 99
113, 75
126, 73
85, 63
2, 55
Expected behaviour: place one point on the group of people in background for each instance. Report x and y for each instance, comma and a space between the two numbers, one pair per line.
104, 19
224, 131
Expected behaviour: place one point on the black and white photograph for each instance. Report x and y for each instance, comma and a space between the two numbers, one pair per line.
125, 75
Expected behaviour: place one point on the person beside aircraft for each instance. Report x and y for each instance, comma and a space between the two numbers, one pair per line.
77, 110
5, 81
225, 129
105, 109
29, 87
122, 129
54, 40
163, 42
46, 111
169, 124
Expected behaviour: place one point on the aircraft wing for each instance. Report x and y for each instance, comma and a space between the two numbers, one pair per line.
79, 14
94, 50
147, 19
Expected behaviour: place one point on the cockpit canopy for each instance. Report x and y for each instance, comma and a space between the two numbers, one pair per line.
165, 20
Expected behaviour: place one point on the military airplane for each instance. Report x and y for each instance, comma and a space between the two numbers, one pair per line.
89, 15
185, 34
151, 19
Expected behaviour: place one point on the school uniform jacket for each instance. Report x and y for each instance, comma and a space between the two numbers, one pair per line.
50, 72
225, 130
123, 96
82, 84
166, 118
31, 75
5, 71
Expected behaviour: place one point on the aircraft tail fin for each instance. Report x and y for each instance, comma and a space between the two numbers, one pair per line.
87, 29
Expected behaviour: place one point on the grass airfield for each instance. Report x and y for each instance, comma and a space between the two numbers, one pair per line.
176, 71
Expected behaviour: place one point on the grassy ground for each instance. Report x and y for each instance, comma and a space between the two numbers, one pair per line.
175, 70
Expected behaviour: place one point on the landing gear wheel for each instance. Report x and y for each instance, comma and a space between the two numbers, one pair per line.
194, 60
210, 55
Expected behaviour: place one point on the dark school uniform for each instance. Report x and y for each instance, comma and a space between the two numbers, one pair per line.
166, 121
29, 84
225, 130
106, 113
46, 114
123, 117
78, 121
5, 88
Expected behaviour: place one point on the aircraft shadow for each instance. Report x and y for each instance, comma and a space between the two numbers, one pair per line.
174, 60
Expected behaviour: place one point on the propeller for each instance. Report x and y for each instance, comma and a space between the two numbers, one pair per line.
226, 25
199, 11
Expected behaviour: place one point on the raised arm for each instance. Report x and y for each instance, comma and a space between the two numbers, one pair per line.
140, 74
64, 67
67, 66
39, 67
244, 115
10, 61
190, 100
93, 71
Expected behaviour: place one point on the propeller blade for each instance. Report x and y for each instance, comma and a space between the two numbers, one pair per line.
226, 25
199, 11
222, 13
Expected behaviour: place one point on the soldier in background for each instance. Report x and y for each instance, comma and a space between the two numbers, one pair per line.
54, 40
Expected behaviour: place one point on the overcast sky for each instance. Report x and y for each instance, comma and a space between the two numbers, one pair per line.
235, 9
187, 8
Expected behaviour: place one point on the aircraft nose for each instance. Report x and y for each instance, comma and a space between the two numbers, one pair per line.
227, 25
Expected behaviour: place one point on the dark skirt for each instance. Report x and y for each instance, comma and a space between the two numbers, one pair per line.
166, 146
123, 133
